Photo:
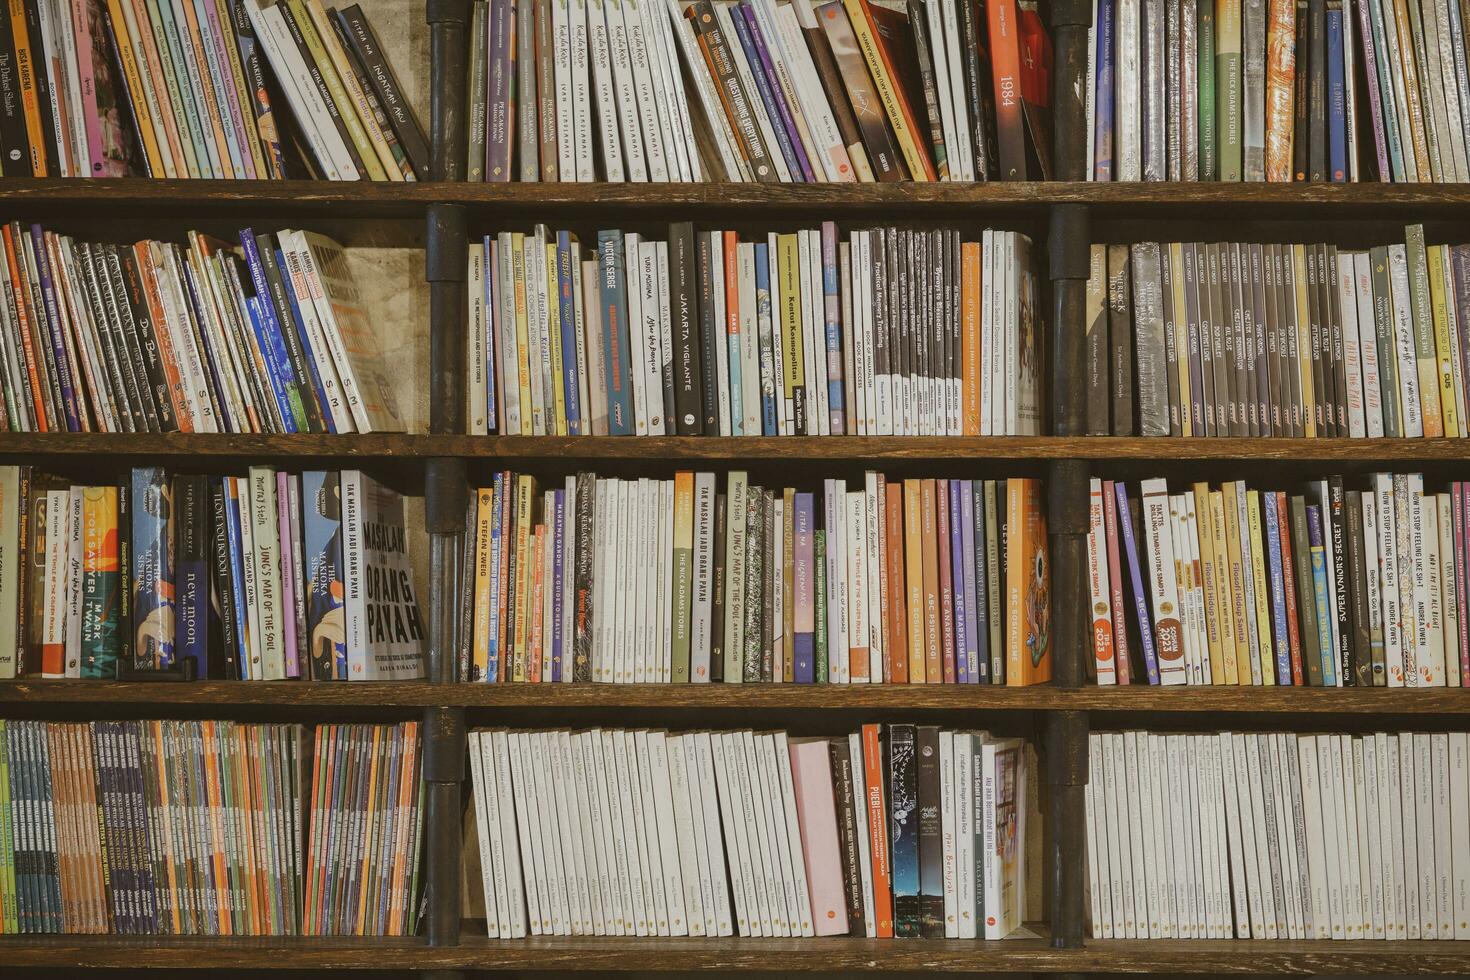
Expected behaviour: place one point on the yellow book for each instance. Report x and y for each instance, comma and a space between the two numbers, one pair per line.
1229, 667
346, 111
369, 847
913, 561
1028, 585
480, 637
908, 140
1304, 340
355, 94
788, 271
1258, 577
523, 342
1205, 532
525, 500
142, 111
1443, 342
1235, 586
1181, 337
681, 619
558, 379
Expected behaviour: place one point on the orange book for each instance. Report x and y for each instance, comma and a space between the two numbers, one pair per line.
147, 271
407, 788
914, 572
893, 603
26, 69
22, 309
1005, 65
370, 824
933, 659
209, 736
886, 80
970, 337
1028, 586
537, 553
878, 832
181, 149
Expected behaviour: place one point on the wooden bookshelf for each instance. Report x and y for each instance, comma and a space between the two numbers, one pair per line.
442, 216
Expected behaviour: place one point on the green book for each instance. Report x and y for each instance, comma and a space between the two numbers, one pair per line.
479, 53
819, 626
1425, 356
1208, 165
1228, 116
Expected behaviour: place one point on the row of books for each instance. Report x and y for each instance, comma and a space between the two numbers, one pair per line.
269, 336
801, 92
896, 830
668, 581
1327, 587
1278, 90
262, 577
1249, 339
884, 331
1275, 835
111, 88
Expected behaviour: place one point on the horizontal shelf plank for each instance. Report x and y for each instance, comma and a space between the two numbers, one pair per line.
582, 954
697, 449
382, 199
887, 697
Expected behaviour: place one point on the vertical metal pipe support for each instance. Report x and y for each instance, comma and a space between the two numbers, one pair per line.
1066, 777
444, 765
1070, 21
448, 71
446, 498
1069, 246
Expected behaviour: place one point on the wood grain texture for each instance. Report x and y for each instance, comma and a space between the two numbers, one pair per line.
695, 449
797, 955
644, 697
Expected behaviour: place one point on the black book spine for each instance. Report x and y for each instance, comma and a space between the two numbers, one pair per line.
1339, 355
43, 89
1167, 272
1306, 606
120, 315
1120, 339
1240, 325
1197, 401
192, 570
223, 662
1302, 136
13, 139
717, 603
142, 327
117, 365
688, 326
1317, 89
1332, 514
24, 513
1362, 637
709, 336
924, 56
582, 565
973, 34
1326, 287
125, 633
903, 832
364, 45
931, 836
1261, 317
290, 331
1314, 323
320, 83
1221, 346
847, 831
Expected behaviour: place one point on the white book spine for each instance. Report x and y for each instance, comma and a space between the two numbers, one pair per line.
684, 827
591, 816
1373, 393
1459, 781
1377, 862
1444, 874
948, 831
1393, 638
627, 91
655, 141
743, 71
1352, 345
1423, 793
1410, 413
1140, 818
567, 136
646, 806
669, 108
865, 856
821, 123
964, 835
606, 91
1391, 816
750, 368
704, 86
719, 880
486, 827
786, 850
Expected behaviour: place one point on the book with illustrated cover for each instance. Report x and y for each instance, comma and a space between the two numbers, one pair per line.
152, 573
325, 596
1028, 586
385, 630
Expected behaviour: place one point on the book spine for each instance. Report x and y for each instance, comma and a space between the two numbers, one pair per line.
1140, 594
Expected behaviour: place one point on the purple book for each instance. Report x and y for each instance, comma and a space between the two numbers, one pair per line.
70, 392
832, 323
769, 91
1140, 596
558, 566
964, 662
1375, 102
778, 94
969, 591
289, 592
804, 614
499, 77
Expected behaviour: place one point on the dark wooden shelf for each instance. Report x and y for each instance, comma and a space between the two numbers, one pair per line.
582, 954
738, 449
886, 697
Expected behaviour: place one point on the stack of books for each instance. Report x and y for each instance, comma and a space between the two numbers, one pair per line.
897, 830
269, 336
1275, 835
1325, 587
845, 90
1279, 90
1248, 339
883, 331
262, 577
668, 581
112, 88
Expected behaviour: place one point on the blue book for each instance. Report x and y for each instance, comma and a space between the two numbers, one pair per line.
903, 830
299, 325
237, 572
981, 632
492, 310
152, 571
1102, 98
321, 549
958, 493
64, 379
255, 308
269, 332
832, 322
567, 270
763, 89
558, 574
768, 353
1278, 590
733, 342
1319, 589
1336, 100
615, 335
1135, 577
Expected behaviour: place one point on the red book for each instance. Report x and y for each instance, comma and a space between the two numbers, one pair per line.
894, 613
946, 583
1283, 524
1115, 583
877, 817
1036, 61
1005, 68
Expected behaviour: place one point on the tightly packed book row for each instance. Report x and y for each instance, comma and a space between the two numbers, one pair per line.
1276, 835
1322, 586
881, 331
892, 831
271, 335
266, 576
213, 88
1279, 90
1249, 339
212, 828
757, 90
611, 580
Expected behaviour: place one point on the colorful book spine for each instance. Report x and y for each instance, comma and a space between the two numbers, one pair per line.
152, 572
804, 575
615, 337
1140, 593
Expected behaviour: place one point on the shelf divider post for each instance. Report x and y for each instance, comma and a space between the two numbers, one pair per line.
444, 765
1071, 20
